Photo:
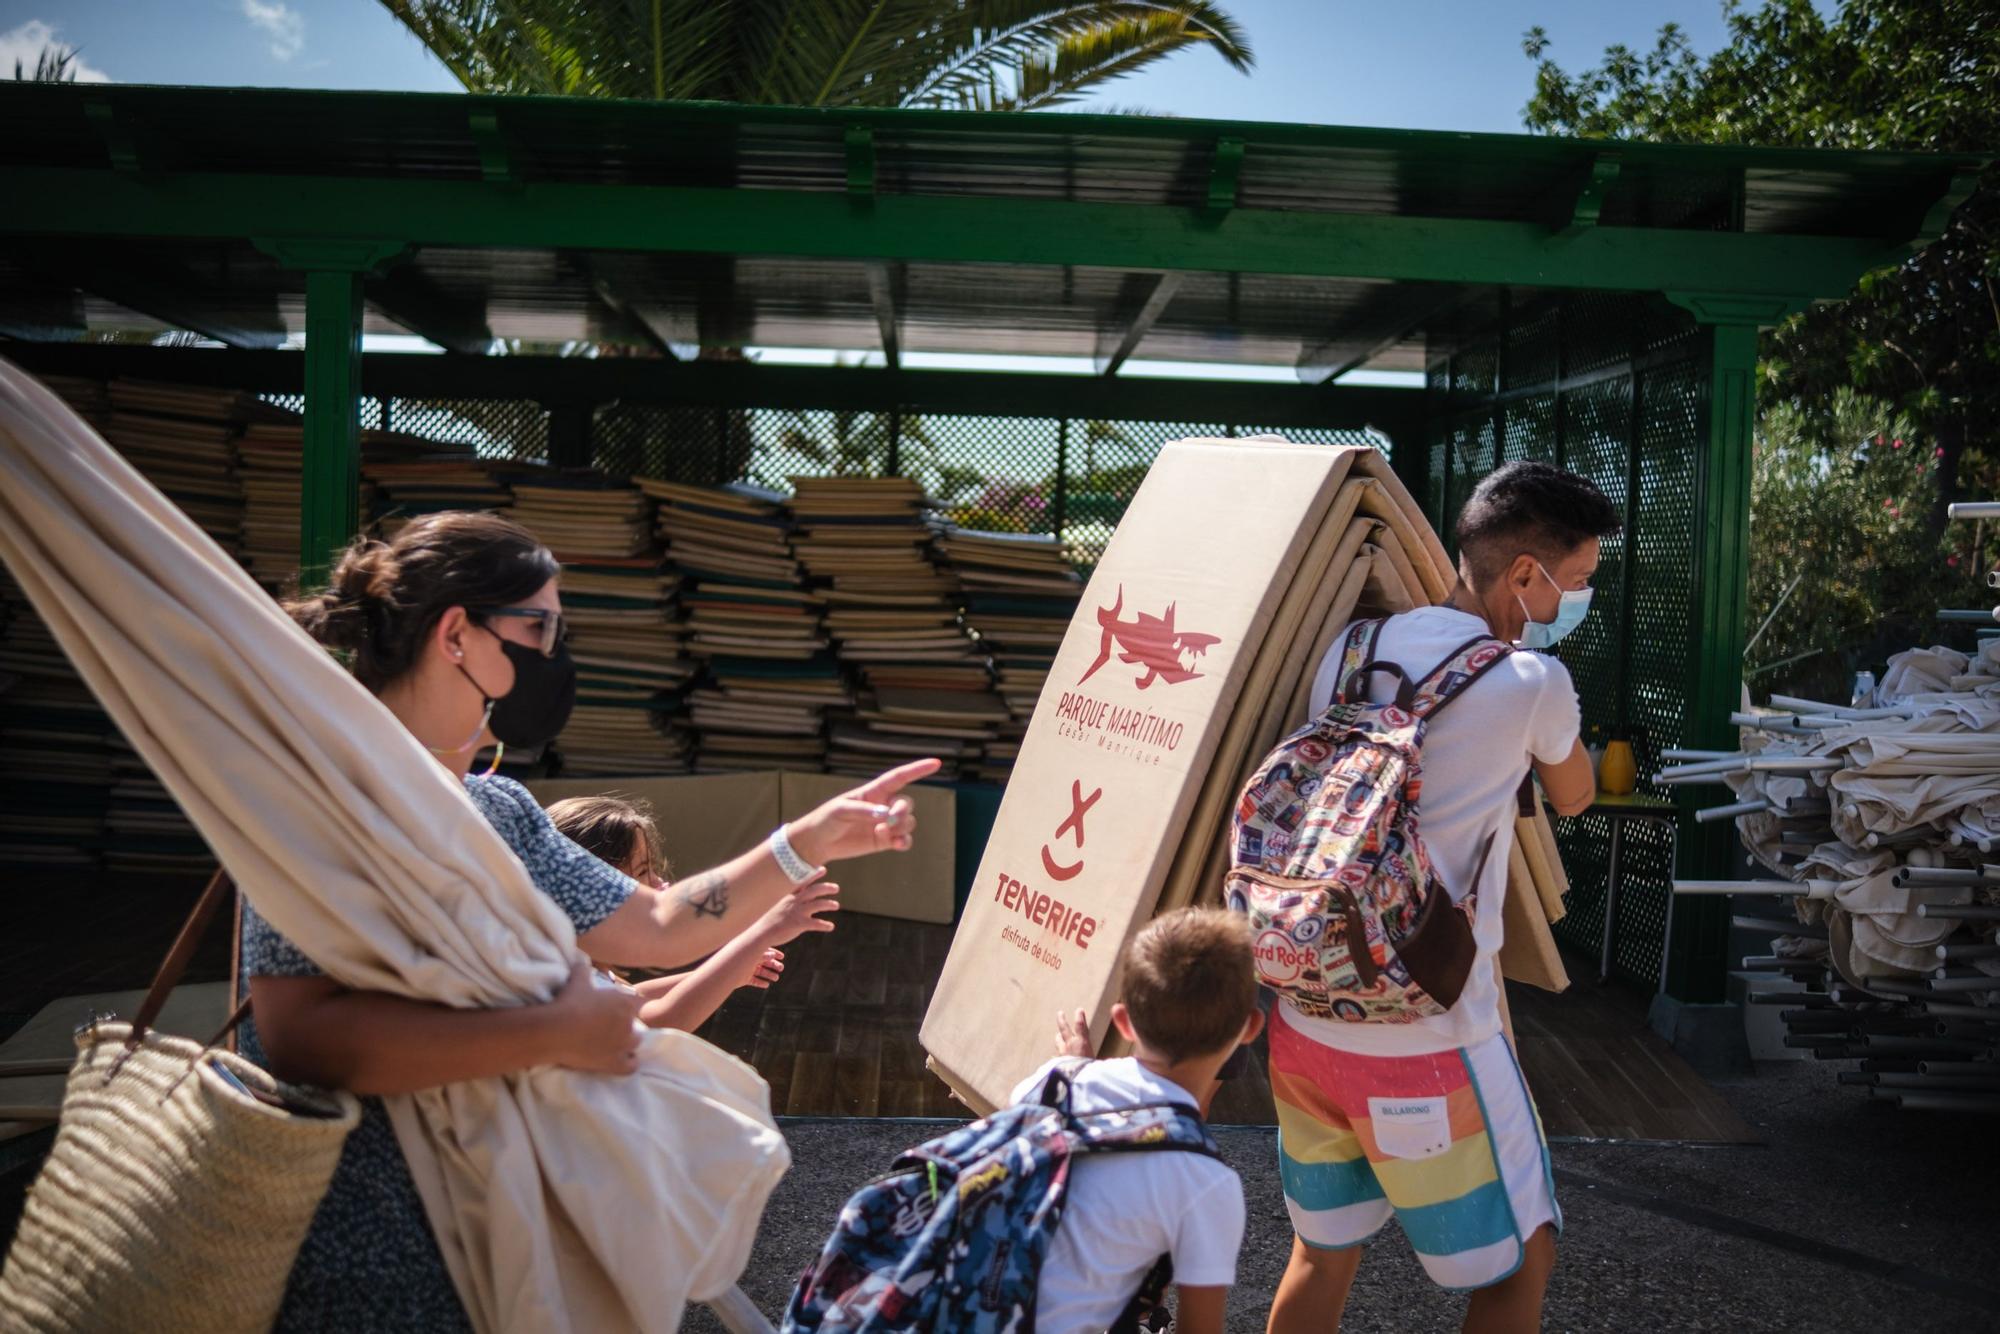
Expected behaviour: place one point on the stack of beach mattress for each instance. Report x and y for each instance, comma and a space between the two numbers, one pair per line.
182, 438
625, 630
1236, 567
770, 676
893, 615
1019, 591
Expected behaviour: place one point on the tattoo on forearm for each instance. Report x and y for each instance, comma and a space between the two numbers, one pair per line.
707, 893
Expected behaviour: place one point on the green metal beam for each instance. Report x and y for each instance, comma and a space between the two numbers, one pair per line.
170, 293
280, 112
1697, 962
330, 481
1939, 217
1225, 174
496, 163
330, 466
860, 141
1589, 201
1115, 345
49, 313
1386, 321
78, 202
406, 296
717, 384
120, 144
882, 295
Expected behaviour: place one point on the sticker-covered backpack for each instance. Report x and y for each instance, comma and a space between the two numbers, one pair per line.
953, 1236
1349, 917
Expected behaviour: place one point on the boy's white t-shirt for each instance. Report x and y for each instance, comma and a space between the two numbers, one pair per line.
1474, 756
1126, 1210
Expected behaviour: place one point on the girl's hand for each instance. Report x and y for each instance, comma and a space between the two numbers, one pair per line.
797, 913
871, 818
595, 1027
1073, 1034
770, 967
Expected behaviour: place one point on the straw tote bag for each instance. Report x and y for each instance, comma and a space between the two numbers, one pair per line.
181, 1182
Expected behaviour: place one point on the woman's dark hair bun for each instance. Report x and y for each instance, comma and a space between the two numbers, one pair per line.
383, 597
361, 589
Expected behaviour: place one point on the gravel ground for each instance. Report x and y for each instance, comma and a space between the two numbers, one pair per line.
1852, 1217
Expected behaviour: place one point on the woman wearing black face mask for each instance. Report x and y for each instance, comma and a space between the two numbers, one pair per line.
456, 626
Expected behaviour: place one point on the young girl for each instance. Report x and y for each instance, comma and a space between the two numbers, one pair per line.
623, 833
456, 626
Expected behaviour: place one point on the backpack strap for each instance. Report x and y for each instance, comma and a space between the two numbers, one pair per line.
1357, 650
1450, 679
1056, 1088
1144, 1127
1358, 662
1460, 668
1183, 1130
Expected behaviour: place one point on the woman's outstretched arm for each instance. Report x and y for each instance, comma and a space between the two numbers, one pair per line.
695, 916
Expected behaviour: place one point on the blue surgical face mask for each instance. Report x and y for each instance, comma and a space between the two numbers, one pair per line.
1570, 611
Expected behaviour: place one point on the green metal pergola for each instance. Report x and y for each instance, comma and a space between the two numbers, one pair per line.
1592, 303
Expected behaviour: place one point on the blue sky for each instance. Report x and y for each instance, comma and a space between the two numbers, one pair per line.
1417, 64
1423, 64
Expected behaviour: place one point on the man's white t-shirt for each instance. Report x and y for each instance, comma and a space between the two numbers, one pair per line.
1126, 1210
1474, 756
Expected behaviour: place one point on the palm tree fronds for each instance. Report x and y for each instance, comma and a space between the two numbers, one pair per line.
996, 54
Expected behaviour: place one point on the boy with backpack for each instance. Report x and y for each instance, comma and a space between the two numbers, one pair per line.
1070, 1211
1378, 928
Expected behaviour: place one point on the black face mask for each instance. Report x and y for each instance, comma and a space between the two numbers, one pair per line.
538, 706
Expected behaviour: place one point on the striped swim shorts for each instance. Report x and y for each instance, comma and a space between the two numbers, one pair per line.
1449, 1143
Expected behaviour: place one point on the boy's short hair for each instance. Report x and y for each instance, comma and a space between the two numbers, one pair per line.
1530, 507
1190, 982
611, 829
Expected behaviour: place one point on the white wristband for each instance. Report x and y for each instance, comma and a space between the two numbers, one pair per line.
796, 868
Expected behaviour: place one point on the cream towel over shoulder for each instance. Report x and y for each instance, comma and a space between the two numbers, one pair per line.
561, 1200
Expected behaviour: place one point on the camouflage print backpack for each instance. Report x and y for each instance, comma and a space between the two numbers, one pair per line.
1349, 918
952, 1238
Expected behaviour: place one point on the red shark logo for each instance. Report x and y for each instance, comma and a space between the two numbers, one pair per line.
1150, 642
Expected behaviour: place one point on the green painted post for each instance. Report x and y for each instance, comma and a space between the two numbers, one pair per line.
329, 503
330, 480
1697, 963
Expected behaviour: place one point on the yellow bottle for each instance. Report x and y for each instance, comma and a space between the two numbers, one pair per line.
1618, 775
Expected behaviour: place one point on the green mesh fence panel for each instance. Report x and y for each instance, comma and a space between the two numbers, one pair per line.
1534, 348
493, 428
702, 446
371, 408
1103, 477
1529, 426
1000, 472
1556, 382
1660, 666
1016, 474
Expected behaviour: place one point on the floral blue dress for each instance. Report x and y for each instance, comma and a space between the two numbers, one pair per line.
370, 1261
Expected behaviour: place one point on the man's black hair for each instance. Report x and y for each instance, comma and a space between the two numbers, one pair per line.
1530, 507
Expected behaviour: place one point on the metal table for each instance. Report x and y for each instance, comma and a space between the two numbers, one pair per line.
1618, 810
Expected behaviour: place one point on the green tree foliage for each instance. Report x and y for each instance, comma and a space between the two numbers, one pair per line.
1916, 348
1852, 466
979, 54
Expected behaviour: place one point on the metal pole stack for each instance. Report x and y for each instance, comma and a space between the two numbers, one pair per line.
1881, 819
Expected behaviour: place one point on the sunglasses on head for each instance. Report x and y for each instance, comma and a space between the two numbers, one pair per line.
554, 629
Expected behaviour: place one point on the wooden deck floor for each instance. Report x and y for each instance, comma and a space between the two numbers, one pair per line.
838, 1037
